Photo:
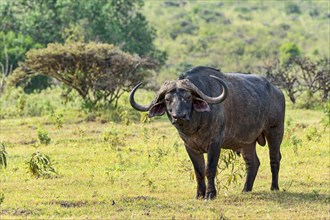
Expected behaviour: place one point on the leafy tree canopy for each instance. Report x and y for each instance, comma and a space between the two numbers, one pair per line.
40, 22
96, 71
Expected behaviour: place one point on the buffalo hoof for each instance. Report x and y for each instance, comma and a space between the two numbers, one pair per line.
200, 195
210, 195
274, 188
245, 190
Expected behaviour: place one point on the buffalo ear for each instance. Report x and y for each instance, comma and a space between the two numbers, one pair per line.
200, 105
157, 109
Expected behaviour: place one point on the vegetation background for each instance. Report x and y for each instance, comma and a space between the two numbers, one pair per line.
64, 157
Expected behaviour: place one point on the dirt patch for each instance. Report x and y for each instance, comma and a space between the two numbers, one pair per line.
138, 198
70, 204
28, 142
16, 212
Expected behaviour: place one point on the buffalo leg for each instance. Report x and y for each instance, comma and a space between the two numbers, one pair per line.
213, 155
252, 165
274, 138
199, 166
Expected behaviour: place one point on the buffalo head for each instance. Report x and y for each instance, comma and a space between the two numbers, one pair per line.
179, 98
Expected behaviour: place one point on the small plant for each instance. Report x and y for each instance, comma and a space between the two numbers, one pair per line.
43, 136
296, 142
57, 119
124, 116
144, 118
176, 146
326, 118
3, 155
40, 165
2, 197
230, 168
290, 128
21, 103
312, 134
151, 184
113, 138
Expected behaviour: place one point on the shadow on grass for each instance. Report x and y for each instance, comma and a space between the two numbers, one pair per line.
285, 197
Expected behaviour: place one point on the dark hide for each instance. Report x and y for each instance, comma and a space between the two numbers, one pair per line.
252, 112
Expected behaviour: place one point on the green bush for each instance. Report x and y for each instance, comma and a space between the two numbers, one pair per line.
292, 8
3, 156
312, 134
95, 71
14, 102
2, 197
326, 118
43, 136
40, 165
288, 51
229, 170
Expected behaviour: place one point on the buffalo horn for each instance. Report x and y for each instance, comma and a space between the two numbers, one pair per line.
208, 99
135, 105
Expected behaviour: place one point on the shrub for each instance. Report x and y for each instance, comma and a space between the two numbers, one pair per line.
312, 134
288, 51
326, 118
229, 170
3, 156
2, 197
295, 142
96, 71
292, 8
43, 136
41, 166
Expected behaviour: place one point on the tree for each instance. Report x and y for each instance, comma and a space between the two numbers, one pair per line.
40, 22
96, 71
6, 68
315, 75
285, 77
300, 74
117, 22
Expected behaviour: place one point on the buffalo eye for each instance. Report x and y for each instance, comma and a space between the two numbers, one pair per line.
167, 99
187, 96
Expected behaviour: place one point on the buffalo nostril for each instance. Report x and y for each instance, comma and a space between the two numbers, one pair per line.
179, 116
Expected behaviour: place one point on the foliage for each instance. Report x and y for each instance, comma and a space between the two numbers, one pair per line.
2, 197
15, 45
230, 170
301, 74
289, 51
57, 119
3, 156
114, 137
295, 142
236, 36
14, 102
40, 165
116, 22
312, 134
96, 71
292, 8
43, 136
326, 118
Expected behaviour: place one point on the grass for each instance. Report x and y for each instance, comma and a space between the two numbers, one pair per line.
141, 171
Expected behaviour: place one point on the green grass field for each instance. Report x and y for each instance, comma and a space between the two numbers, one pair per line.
141, 171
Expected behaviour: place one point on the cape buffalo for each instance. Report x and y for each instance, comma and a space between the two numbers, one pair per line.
213, 110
